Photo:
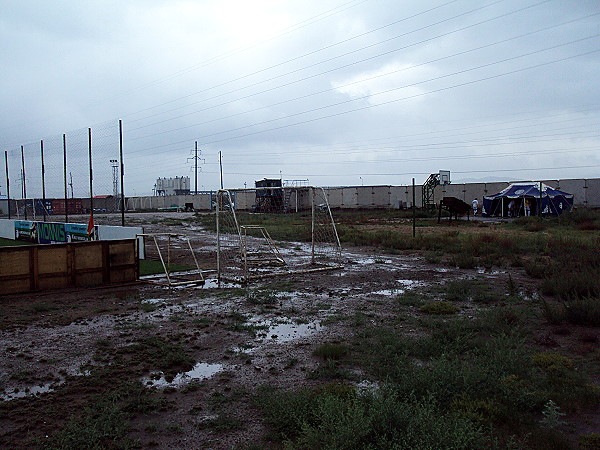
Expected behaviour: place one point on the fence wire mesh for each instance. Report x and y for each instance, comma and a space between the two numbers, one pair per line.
297, 234
52, 179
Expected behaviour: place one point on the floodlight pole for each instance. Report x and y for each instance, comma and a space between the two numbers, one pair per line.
221, 168
43, 181
91, 175
24, 184
65, 177
7, 183
414, 208
219, 193
312, 232
122, 173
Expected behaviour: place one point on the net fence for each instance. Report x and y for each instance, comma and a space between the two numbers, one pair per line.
55, 178
284, 230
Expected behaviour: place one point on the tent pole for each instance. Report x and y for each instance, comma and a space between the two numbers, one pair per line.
540, 210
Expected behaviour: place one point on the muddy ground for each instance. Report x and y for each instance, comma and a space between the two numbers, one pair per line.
52, 342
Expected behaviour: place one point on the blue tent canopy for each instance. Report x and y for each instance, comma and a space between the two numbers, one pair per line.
523, 199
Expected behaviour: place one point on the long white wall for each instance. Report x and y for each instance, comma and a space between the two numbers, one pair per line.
586, 192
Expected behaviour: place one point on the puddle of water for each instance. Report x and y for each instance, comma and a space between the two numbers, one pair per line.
200, 371
365, 261
389, 292
490, 272
153, 301
406, 284
31, 390
213, 283
286, 331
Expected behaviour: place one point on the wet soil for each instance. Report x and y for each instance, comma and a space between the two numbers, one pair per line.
60, 349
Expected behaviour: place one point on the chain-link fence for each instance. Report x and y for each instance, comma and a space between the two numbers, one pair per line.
62, 176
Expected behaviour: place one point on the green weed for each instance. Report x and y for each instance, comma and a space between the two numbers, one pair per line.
331, 351
439, 307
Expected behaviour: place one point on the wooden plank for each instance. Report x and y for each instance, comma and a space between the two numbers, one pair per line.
88, 256
33, 267
105, 262
14, 286
122, 253
57, 266
54, 281
14, 262
52, 259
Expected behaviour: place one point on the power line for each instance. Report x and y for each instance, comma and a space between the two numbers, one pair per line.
349, 84
331, 59
366, 107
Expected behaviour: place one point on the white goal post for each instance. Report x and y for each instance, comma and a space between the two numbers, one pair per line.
246, 220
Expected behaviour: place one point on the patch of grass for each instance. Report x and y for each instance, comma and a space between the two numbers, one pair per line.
590, 441
11, 242
104, 422
331, 351
156, 353
201, 322
330, 419
261, 297
410, 298
552, 361
579, 312
439, 307
469, 289
463, 261
152, 267
149, 307
330, 370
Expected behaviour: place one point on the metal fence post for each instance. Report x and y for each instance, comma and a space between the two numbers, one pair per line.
23, 183
312, 229
65, 177
7, 184
43, 182
122, 173
91, 176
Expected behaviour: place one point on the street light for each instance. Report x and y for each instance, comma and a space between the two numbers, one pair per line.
361, 181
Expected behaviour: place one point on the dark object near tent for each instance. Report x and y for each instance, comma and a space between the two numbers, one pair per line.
455, 206
524, 199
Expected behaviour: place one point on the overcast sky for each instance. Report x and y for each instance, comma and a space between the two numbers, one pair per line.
337, 92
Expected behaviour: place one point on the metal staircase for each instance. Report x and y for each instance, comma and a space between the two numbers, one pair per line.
428, 190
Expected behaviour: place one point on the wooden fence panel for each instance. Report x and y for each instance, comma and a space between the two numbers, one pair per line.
56, 266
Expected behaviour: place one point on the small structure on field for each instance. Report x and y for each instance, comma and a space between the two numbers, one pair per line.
267, 198
527, 199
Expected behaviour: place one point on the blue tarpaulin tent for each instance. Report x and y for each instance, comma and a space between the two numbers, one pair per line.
524, 199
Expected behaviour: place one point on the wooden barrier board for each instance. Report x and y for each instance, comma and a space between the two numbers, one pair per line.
76, 264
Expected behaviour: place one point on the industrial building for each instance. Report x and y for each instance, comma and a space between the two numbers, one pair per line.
172, 186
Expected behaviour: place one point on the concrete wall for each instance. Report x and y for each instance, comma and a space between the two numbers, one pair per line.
335, 197
586, 193
200, 202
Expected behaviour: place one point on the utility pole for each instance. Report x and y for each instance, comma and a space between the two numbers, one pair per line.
196, 158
